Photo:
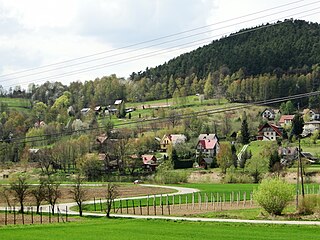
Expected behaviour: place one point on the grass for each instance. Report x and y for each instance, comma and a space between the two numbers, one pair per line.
218, 190
118, 229
18, 104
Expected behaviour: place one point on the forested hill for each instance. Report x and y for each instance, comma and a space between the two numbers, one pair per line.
288, 45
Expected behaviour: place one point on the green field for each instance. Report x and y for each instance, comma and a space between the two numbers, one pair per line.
127, 229
18, 104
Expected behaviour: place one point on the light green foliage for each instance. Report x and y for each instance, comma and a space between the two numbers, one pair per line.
256, 167
36, 132
224, 157
274, 195
90, 166
309, 204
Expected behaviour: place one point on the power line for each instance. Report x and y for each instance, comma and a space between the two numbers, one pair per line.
158, 52
158, 44
165, 119
155, 39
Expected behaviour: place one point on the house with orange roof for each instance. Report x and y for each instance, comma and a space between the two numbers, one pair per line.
286, 120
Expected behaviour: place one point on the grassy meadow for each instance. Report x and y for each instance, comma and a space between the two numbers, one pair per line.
102, 228
18, 104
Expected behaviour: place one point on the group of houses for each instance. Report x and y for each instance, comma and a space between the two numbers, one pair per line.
271, 131
108, 110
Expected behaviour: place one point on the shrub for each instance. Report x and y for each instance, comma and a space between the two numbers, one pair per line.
309, 205
274, 195
171, 177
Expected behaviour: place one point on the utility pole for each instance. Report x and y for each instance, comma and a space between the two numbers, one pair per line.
301, 169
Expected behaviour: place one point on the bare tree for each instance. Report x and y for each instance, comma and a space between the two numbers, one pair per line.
6, 192
39, 193
53, 192
19, 188
78, 192
112, 193
174, 118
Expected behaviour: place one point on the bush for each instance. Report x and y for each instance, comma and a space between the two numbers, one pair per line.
274, 195
171, 177
309, 205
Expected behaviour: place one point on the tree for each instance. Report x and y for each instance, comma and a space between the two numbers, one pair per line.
90, 166
255, 167
78, 192
245, 135
274, 195
224, 157
39, 194
112, 194
19, 188
53, 192
297, 125
174, 118
244, 157
208, 87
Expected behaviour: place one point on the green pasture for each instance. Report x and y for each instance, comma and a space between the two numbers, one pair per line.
18, 104
102, 228
212, 192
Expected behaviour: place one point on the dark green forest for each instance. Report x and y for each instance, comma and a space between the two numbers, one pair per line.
260, 63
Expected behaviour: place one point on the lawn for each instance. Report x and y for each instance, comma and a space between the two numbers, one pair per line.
101, 228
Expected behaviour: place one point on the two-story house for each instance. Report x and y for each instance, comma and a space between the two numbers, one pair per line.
286, 120
269, 132
172, 139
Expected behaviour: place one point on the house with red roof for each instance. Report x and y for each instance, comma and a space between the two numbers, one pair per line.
269, 132
149, 161
208, 146
286, 120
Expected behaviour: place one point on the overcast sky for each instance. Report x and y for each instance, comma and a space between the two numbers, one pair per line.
117, 33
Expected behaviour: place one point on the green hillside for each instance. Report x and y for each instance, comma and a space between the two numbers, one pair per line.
292, 45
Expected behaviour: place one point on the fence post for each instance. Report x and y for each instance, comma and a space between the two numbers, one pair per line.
49, 214
66, 214
41, 215
140, 208
100, 205
192, 201
148, 205
94, 203
127, 206
179, 201
154, 205
58, 213
133, 208
238, 199
221, 203
199, 200
14, 215
120, 206
206, 196
161, 207
214, 203
31, 215
186, 201
168, 207
172, 201
224, 199
5, 216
